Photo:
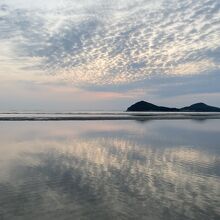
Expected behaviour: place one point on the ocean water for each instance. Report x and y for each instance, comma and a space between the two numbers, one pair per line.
154, 169
89, 116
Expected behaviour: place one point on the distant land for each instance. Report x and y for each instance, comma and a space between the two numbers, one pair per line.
143, 106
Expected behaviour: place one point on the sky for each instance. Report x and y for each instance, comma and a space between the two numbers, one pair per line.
60, 55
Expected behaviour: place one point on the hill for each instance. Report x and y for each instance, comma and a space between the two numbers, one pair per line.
200, 107
143, 106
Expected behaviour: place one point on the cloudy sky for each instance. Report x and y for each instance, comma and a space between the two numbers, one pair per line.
107, 54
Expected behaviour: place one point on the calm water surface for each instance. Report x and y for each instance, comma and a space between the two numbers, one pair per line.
110, 170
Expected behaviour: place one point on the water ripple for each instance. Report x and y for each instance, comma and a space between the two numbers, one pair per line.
106, 175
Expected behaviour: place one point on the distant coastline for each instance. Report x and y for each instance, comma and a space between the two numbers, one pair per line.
140, 111
143, 106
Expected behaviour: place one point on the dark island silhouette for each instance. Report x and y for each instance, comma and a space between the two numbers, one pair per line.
143, 106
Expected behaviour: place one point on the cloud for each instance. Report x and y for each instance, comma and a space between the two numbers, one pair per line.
113, 43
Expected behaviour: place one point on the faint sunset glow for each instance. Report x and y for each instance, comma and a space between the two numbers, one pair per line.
111, 45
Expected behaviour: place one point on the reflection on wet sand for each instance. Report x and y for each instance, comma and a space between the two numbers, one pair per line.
124, 172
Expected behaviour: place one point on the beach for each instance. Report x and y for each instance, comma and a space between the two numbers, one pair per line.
153, 169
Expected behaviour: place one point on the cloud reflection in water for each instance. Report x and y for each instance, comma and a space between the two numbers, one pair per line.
111, 171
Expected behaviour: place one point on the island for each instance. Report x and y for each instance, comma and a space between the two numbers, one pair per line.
143, 106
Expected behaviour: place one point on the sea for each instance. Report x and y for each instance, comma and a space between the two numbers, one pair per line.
97, 165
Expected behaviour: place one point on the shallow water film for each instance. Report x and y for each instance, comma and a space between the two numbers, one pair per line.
152, 170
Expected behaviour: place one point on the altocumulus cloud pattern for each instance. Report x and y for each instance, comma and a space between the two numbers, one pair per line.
96, 42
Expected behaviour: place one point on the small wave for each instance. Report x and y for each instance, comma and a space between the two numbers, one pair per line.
78, 116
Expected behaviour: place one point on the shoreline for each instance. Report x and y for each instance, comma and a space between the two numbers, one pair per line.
111, 117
